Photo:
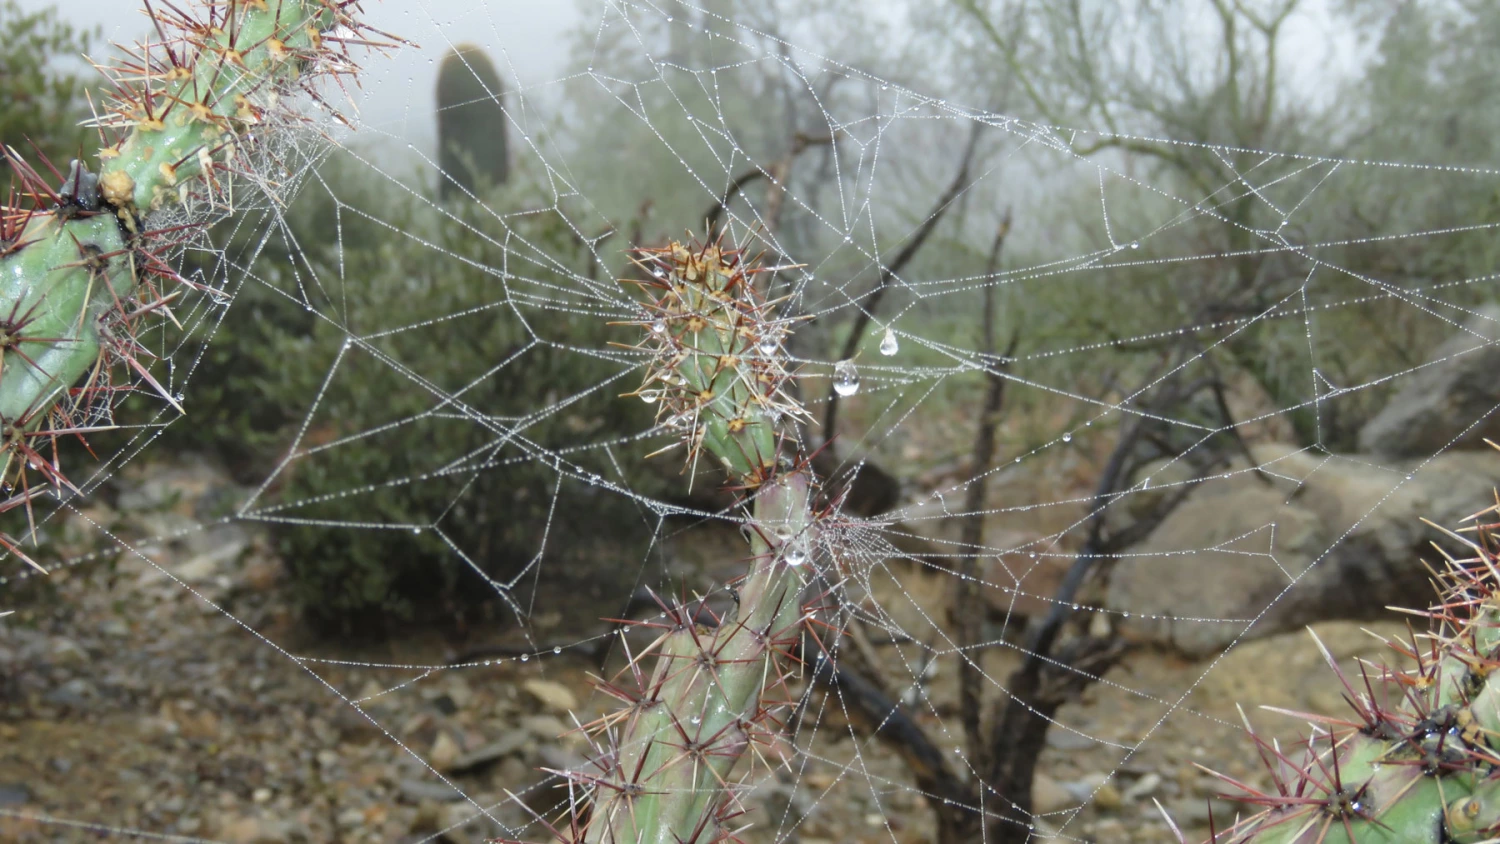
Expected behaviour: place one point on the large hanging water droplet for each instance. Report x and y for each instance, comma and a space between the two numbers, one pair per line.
845, 378
650, 396
796, 552
658, 327
768, 344
888, 344
1067, 438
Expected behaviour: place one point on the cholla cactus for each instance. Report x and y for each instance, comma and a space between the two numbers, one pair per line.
717, 362
665, 768
85, 262
1419, 763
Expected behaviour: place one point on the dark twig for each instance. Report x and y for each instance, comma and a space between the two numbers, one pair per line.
778, 171
890, 271
967, 605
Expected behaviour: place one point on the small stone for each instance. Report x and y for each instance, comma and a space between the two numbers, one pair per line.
1143, 787
554, 696
1048, 796
13, 794
445, 751
544, 727
420, 791
1107, 798
482, 757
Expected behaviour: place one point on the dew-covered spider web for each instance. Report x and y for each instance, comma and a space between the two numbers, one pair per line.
1113, 383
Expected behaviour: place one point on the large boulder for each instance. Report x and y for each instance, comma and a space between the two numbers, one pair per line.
1440, 401
1309, 537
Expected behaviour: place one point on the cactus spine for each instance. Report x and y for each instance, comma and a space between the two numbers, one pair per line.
80, 263
1419, 763
665, 772
472, 149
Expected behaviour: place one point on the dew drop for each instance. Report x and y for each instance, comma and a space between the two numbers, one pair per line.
525, 657
695, 720
1067, 438
1135, 244
796, 553
649, 396
658, 327
556, 650
888, 343
845, 378
416, 531
768, 344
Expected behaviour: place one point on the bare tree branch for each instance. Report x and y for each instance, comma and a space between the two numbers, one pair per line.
892, 270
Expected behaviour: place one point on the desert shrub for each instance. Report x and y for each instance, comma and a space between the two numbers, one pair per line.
388, 376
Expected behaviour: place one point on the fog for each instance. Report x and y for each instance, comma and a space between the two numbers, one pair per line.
526, 38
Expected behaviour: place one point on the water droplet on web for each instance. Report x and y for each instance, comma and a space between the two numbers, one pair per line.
796, 553
768, 344
1135, 244
179, 397
1145, 483
1067, 438
695, 720
556, 651
658, 327
845, 378
649, 396
525, 657
888, 344
416, 531
669, 18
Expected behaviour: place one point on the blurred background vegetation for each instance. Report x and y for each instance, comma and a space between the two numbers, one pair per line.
500, 304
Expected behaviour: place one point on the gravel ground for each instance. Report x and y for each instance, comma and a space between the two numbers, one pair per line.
193, 705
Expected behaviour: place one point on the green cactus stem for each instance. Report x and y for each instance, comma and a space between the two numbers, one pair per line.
80, 264
715, 686
1419, 763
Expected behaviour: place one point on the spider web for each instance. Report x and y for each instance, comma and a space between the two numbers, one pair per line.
1194, 339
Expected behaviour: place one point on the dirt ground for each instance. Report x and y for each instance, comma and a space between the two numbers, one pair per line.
193, 705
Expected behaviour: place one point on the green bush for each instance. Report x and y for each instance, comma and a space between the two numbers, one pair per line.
394, 501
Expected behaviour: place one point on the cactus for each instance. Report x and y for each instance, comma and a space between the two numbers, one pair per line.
472, 150
1420, 760
81, 263
666, 768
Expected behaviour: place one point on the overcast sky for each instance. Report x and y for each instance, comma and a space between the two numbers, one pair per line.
527, 39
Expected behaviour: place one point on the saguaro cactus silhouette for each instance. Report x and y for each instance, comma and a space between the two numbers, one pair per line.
472, 149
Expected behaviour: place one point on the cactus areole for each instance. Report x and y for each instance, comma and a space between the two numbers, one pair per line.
83, 258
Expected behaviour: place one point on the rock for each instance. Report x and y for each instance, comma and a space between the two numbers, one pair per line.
1311, 538
1048, 796
420, 791
554, 696
544, 727
444, 753
74, 694
1143, 787
487, 755
1440, 400
1108, 798
13, 794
